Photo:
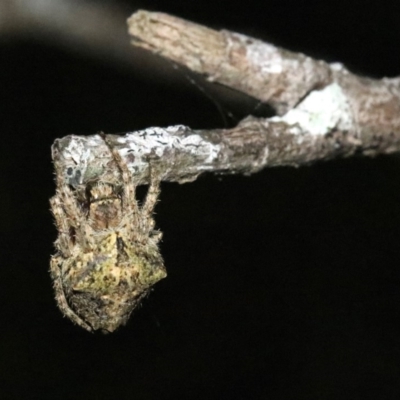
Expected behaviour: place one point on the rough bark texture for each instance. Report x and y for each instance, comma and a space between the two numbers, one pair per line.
183, 154
324, 111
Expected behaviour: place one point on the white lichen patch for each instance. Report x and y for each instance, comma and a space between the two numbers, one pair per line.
160, 141
86, 158
320, 112
76, 152
337, 66
263, 56
77, 156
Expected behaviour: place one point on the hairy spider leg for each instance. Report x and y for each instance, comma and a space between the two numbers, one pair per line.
60, 295
129, 202
63, 242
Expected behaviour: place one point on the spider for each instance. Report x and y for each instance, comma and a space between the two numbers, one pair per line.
107, 255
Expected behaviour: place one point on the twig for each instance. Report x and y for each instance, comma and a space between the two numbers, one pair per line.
324, 111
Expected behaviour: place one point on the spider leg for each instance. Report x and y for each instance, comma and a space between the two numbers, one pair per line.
70, 205
70, 218
156, 235
63, 242
129, 201
60, 295
69, 202
152, 192
140, 217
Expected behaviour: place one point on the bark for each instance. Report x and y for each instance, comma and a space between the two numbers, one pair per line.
323, 111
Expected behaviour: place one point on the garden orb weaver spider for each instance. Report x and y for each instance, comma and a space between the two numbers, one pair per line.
107, 255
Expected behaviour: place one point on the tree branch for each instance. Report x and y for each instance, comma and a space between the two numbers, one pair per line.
324, 111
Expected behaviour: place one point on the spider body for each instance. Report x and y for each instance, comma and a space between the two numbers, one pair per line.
107, 255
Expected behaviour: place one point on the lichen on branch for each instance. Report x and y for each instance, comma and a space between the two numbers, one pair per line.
323, 111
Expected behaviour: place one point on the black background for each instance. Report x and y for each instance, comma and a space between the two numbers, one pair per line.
282, 285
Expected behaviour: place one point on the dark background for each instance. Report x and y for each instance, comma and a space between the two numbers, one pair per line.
282, 285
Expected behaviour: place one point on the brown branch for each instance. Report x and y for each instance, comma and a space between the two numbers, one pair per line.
324, 111
262, 70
